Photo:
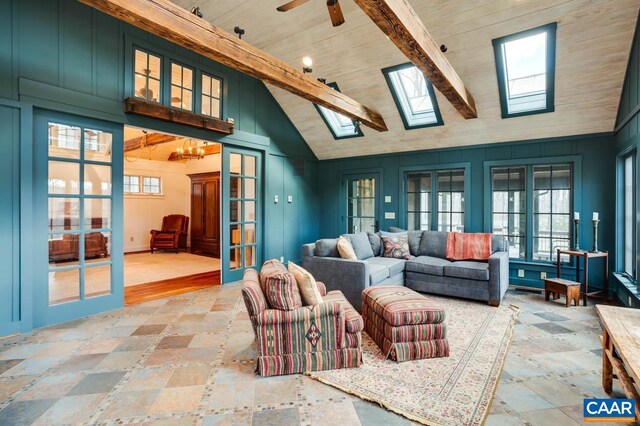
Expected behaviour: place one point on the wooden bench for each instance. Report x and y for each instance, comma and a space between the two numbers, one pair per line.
557, 286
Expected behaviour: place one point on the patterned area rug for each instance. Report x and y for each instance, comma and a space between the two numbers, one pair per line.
443, 391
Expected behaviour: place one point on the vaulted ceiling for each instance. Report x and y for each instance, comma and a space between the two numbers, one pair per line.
593, 42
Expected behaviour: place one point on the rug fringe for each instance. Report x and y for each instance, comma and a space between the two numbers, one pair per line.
365, 398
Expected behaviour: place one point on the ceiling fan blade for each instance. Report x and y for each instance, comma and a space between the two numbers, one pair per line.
337, 18
291, 5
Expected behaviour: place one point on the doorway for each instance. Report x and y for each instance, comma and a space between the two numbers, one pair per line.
172, 216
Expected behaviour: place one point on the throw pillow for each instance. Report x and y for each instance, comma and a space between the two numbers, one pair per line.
361, 245
345, 249
396, 246
376, 243
281, 290
269, 267
306, 284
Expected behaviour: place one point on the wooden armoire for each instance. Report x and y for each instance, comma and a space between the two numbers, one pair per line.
205, 213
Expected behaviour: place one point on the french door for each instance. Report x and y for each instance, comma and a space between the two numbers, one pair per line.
78, 217
241, 211
360, 202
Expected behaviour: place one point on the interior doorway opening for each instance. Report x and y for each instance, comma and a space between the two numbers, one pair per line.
172, 214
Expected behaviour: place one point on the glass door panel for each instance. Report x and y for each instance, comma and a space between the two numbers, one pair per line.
241, 189
361, 199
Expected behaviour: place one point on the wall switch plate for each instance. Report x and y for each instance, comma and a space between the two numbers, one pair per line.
520, 273
289, 199
543, 275
281, 259
276, 199
629, 301
131, 239
389, 215
387, 198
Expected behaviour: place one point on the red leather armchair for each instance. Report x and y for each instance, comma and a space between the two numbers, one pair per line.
173, 235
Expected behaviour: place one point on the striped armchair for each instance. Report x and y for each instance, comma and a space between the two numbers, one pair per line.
310, 338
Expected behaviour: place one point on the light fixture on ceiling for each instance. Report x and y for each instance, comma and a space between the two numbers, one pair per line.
190, 151
322, 80
356, 126
144, 91
196, 11
239, 31
307, 62
443, 48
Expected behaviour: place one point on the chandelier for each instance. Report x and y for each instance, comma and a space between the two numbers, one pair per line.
190, 151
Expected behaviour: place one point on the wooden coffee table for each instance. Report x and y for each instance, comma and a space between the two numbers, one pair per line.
621, 349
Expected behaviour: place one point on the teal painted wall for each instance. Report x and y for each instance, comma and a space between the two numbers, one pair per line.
597, 185
64, 56
627, 137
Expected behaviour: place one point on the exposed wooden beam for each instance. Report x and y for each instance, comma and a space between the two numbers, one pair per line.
147, 140
208, 150
398, 20
173, 23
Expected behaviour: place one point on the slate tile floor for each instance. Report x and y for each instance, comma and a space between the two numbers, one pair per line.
184, 360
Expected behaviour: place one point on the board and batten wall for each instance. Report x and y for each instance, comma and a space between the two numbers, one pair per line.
596, 193
63, 56
627, 139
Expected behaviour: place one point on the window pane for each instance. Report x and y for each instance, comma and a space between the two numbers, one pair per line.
206, 105
64, 178
250, 233
235, 164
412, 94
250, 256
235, 211
215, 88
97, 281
97, 213
215, 108
187, 100
249, 165
97, 145
542, 177
250, 188
100, 179
63, 249
64, 286
176, 97
153, 93
187, 78
235, 234
154, 67
64, 141
64, 214
236, 187
629, 214
235, 258
249, 211
97, 246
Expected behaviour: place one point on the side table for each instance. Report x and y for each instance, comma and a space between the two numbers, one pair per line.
586, 255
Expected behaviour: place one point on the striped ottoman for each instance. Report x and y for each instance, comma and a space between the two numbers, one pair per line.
404, 324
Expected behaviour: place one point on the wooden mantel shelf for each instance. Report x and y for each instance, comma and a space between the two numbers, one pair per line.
151, 109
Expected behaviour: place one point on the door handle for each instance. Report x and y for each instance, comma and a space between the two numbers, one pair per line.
375, 226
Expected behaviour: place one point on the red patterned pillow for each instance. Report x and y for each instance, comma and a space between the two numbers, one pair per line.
281, 290
396, 246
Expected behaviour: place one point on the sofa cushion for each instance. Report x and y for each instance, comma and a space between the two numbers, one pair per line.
353, 320
427, 265
434, 244
361, 245
327, 247
395, 266
497, 243
377, 273
345, 249
468, 270
306, 284
376, 243
396, 246
414, 242
281, 291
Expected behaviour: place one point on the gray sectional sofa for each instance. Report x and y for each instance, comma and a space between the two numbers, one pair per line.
427, 271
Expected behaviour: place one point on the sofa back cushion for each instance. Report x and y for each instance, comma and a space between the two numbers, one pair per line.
281, 291
361, 245
434, 244
345, 249
498, 243
306, 284
327, 247
376, 243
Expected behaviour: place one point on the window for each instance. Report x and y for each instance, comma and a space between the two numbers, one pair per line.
525, 64
629, 176
414, 96
419, 200
442, 188
341, 127
551, 210
361, 205
181, 87
147, 76
509, 215
211, 96
131, 184
65, 137
151, 185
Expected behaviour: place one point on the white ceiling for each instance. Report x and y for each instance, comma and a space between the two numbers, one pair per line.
593, 42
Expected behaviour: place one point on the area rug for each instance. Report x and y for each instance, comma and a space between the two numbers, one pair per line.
443, 391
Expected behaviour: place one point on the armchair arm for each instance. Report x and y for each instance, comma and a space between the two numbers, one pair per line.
321, 288
154, 232
304, 330
498, 276
348, 276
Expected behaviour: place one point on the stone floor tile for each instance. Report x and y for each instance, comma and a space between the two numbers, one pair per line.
129, 404
164, 357
191, 318
373, 415
177, 400
136, 343
520, 398
231, 419
333, 413
11, 385
553, 328
530, 318
8, 364
316, 392
59, 349
51, 386
33, 366
235, 373
146, 330
71, 410
147, 379
275, 391
554, 391
97, 383
175, 342
22, 351
199, 355
207, 340
548, 417
77, 363
190, 376
24, 412
283, 417
120, 360
230, 396
551, 316
504, 419
99, 346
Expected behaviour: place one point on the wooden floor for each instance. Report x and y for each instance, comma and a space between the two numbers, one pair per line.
159, 289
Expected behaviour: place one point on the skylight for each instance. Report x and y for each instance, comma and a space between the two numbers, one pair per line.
413, 95
525, 64
341, 127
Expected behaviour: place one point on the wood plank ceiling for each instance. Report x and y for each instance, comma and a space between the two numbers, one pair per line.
593, 42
